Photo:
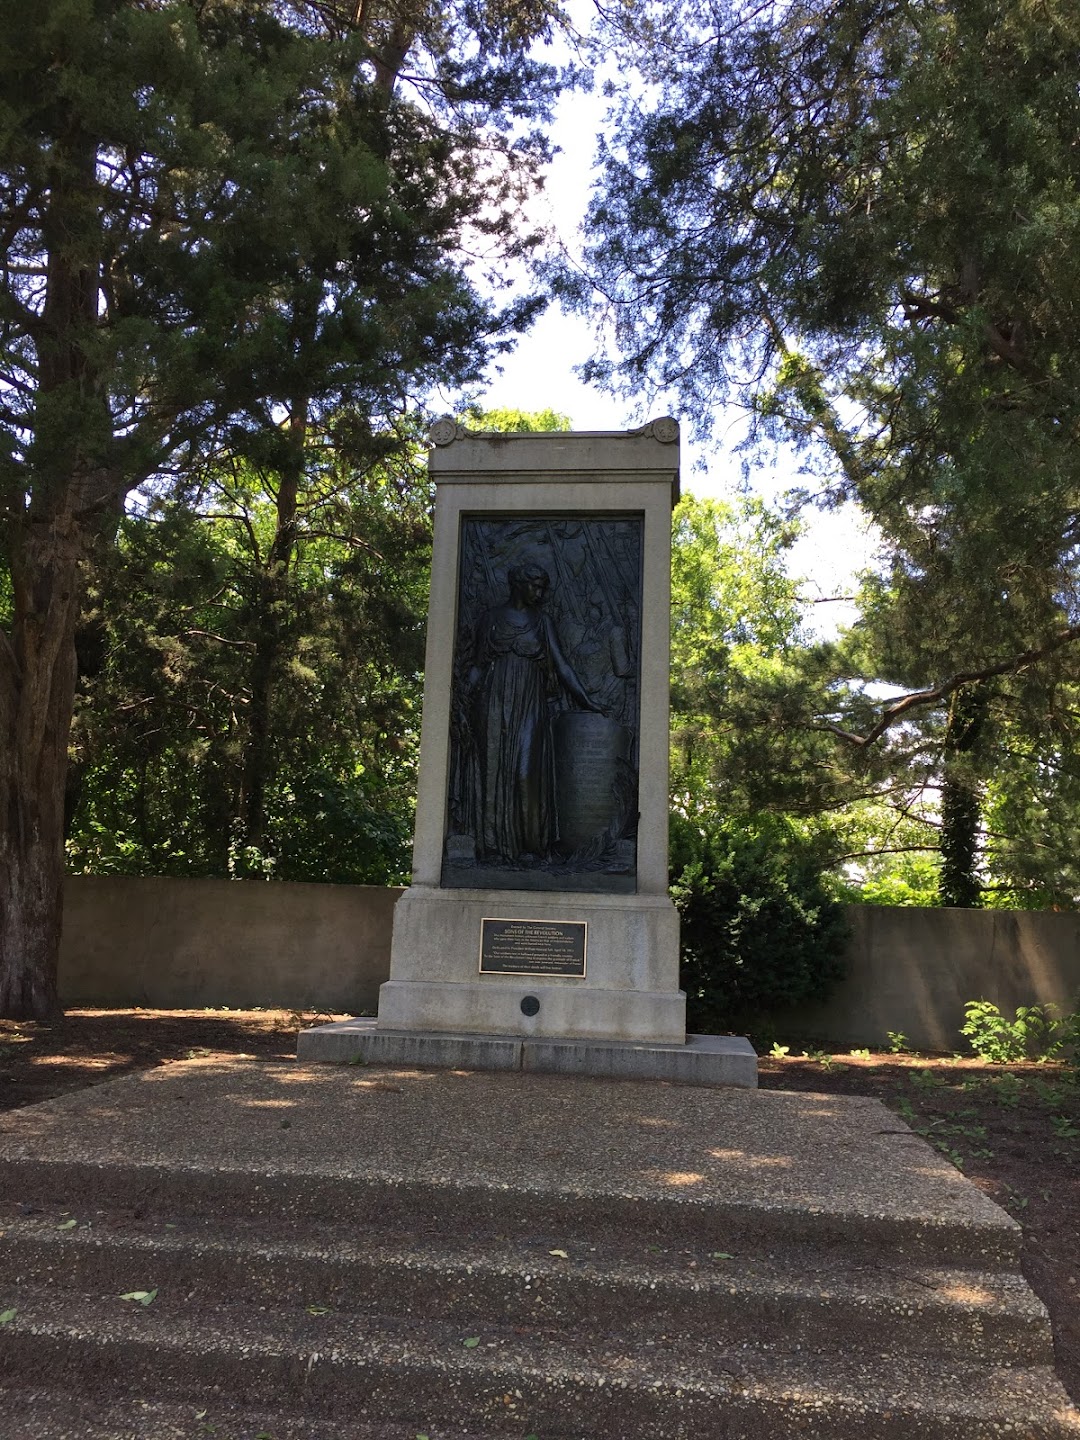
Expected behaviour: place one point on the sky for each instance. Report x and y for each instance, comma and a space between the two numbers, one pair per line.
540, 374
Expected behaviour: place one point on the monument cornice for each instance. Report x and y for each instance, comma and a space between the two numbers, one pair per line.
462, 456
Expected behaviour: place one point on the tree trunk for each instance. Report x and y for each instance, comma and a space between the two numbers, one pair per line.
961, 801
65, 480
273, 592
37, 690
961, 811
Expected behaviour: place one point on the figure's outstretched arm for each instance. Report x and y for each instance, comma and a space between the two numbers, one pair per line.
565, 671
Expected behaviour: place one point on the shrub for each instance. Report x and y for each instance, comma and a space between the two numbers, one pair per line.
759, 930
1034, 1034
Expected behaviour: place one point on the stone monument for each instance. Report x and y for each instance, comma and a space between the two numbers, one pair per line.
538, 931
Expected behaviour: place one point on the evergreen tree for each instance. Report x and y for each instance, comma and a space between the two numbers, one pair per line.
223, 221
863, 219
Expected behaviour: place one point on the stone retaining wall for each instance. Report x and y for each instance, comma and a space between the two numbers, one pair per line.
192, 943
912, 971
186, 944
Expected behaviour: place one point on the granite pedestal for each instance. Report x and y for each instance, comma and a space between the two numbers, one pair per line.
543, 788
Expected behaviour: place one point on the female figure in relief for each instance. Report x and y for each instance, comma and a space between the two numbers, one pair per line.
518, 667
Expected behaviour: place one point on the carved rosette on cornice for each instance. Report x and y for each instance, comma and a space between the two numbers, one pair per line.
665, 429
446, 430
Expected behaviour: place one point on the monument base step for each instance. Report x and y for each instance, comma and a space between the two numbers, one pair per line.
703, 1060
239, 1248
495, 1005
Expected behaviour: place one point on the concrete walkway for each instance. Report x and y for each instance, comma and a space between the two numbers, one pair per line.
846, 1157
636, 1257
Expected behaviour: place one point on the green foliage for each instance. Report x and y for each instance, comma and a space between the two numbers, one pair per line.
1007, 1090
1069, 1034
169, 648
864, 220
516, 422
759, 930
910, 880
738, 746
1033, 1034
747, 734
759, 927
731, 591
1032, 809
200, 603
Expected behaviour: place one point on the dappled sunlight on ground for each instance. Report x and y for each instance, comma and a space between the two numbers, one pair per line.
756, 1162
412, 1077
40, 1062
967, 1294
82, 1062
941, 1169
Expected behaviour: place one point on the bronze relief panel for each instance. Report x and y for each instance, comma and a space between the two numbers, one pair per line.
544, 709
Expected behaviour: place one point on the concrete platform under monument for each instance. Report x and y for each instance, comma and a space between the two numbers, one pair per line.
702, 1060
625, 989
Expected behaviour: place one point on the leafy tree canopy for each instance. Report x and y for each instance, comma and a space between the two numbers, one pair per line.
177, 679
864, 219
226, 222
516, 422
171, 648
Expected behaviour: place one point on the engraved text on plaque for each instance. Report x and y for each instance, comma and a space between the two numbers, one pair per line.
533, 947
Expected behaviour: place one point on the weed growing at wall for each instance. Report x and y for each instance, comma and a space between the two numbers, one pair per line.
1037, 1032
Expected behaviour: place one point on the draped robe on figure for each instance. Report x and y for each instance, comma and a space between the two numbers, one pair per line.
514, 755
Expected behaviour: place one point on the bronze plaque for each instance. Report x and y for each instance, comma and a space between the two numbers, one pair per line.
533, 947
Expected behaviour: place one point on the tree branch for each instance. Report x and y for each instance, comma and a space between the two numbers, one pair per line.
222, 639
884, 850
896, 709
